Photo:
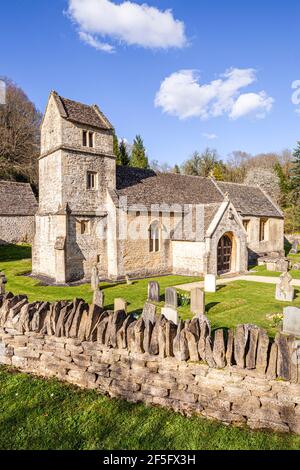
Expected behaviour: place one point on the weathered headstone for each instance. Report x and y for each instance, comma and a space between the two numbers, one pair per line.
153, 292
291, 321
210, 283
120, 305
170, 314
171, 297
280, 265
197, 302
295, 247
128, 281
284, 290
3, 281
149, 313
98, 298
95, 278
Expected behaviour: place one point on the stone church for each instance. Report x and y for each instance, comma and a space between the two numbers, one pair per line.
136, 222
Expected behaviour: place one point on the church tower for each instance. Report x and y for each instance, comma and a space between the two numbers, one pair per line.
77, 169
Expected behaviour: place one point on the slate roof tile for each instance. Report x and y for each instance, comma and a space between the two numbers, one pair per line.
17, 199
145, 187
82, 113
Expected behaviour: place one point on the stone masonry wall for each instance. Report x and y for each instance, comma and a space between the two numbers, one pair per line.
16, 229
239, 377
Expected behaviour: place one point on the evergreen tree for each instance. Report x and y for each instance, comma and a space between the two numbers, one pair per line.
139, 158
176, 170
124, 158
116, 148
284, 184
295, 176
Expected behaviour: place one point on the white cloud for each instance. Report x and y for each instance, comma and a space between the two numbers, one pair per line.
182, 95
255, 104
128, 23
94, 42
209, 136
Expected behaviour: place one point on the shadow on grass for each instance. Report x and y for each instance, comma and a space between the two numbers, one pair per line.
211, 305
221, 287
110, 286
14, 252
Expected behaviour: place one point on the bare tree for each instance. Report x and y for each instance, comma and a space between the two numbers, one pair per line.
201, 164
19, 136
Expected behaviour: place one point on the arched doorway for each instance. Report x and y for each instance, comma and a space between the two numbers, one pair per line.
225, 254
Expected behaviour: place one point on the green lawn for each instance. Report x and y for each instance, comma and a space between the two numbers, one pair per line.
262, 270
235, 303
45, 414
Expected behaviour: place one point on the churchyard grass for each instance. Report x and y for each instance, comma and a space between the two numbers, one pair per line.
46, 414
262, 271
233, 304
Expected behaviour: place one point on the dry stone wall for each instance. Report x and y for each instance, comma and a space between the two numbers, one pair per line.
237, 377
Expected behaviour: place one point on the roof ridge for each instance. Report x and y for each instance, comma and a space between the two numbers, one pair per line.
240, 184
75, 101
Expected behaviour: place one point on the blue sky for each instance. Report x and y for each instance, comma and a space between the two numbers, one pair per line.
210, 43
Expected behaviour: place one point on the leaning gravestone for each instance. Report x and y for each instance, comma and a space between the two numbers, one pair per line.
120, 305
210, 283
171, 297
149, 313
3, 281
295, 248
291, 321
170, 314
197, 302
95, 278
153, 292
284, 290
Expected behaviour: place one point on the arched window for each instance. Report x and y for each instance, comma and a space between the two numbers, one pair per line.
154, 238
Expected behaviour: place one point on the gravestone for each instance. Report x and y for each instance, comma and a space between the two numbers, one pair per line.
120, 305
284, 290
210, 283
171, 297
149, 313
3, 281
197, 302
95, 278
291, 321
153, 292
279, 265
295, 247
128, 281
98, 298
282, 265
170, 314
